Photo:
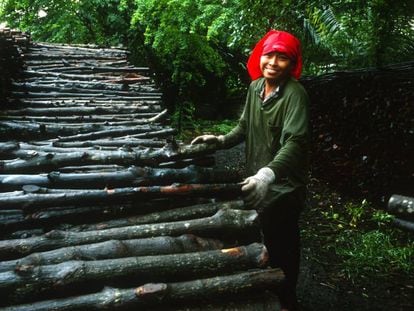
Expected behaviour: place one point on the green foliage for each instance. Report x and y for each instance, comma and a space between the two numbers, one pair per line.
103, 22
199, 48
178, 34
365, 243
374, 252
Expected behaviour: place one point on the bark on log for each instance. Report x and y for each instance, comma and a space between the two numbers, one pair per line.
35, 280
223, 222
77, 48
85, 87
78, 215
115, 249
11, 217
402, 206
41, 162
86, 118
132, 177
164, 294
131, 142
404, 224
113, 133
55, 123
175, 214
79, 77
83, 91
17, 129
101, 69
81, 111
66, 95
25, 129
36, 197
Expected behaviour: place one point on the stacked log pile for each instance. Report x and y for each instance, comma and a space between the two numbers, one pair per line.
13, 43
100, 208
363, 130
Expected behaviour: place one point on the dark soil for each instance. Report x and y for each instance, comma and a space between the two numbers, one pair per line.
322, 283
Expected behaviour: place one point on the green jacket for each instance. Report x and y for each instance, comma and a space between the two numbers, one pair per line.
276, 135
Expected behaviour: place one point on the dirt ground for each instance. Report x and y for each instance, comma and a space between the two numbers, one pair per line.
322, 284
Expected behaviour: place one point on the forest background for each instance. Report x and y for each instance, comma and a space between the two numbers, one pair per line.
198, 50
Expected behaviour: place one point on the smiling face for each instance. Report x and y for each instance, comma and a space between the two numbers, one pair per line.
275, 67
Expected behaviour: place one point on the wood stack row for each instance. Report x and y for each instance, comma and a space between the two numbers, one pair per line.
362, 123
101, 208
13, 44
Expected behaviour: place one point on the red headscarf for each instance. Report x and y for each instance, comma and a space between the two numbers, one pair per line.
276, 41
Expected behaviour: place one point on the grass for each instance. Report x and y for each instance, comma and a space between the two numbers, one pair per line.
197, 127
359, 238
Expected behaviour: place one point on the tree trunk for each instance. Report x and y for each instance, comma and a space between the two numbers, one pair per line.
164, 294
224, 221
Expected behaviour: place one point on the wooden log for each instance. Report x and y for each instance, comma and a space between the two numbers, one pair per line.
100, 69
81, 111
402, 206
175, 214
86, 118
74, 86
62, 217
18, 129
39, 279
78, 48
132, 177
40, 162
11, 217
79, 89
115, 249
78, 77
131, 142
113, 133
91, 103
226, 221
37, 197
154, 295
404, 224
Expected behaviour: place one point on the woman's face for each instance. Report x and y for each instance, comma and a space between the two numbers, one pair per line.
275, 66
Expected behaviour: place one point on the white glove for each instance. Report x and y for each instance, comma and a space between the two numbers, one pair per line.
208, 139
256, 186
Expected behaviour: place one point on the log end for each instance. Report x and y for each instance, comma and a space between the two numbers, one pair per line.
151, 291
